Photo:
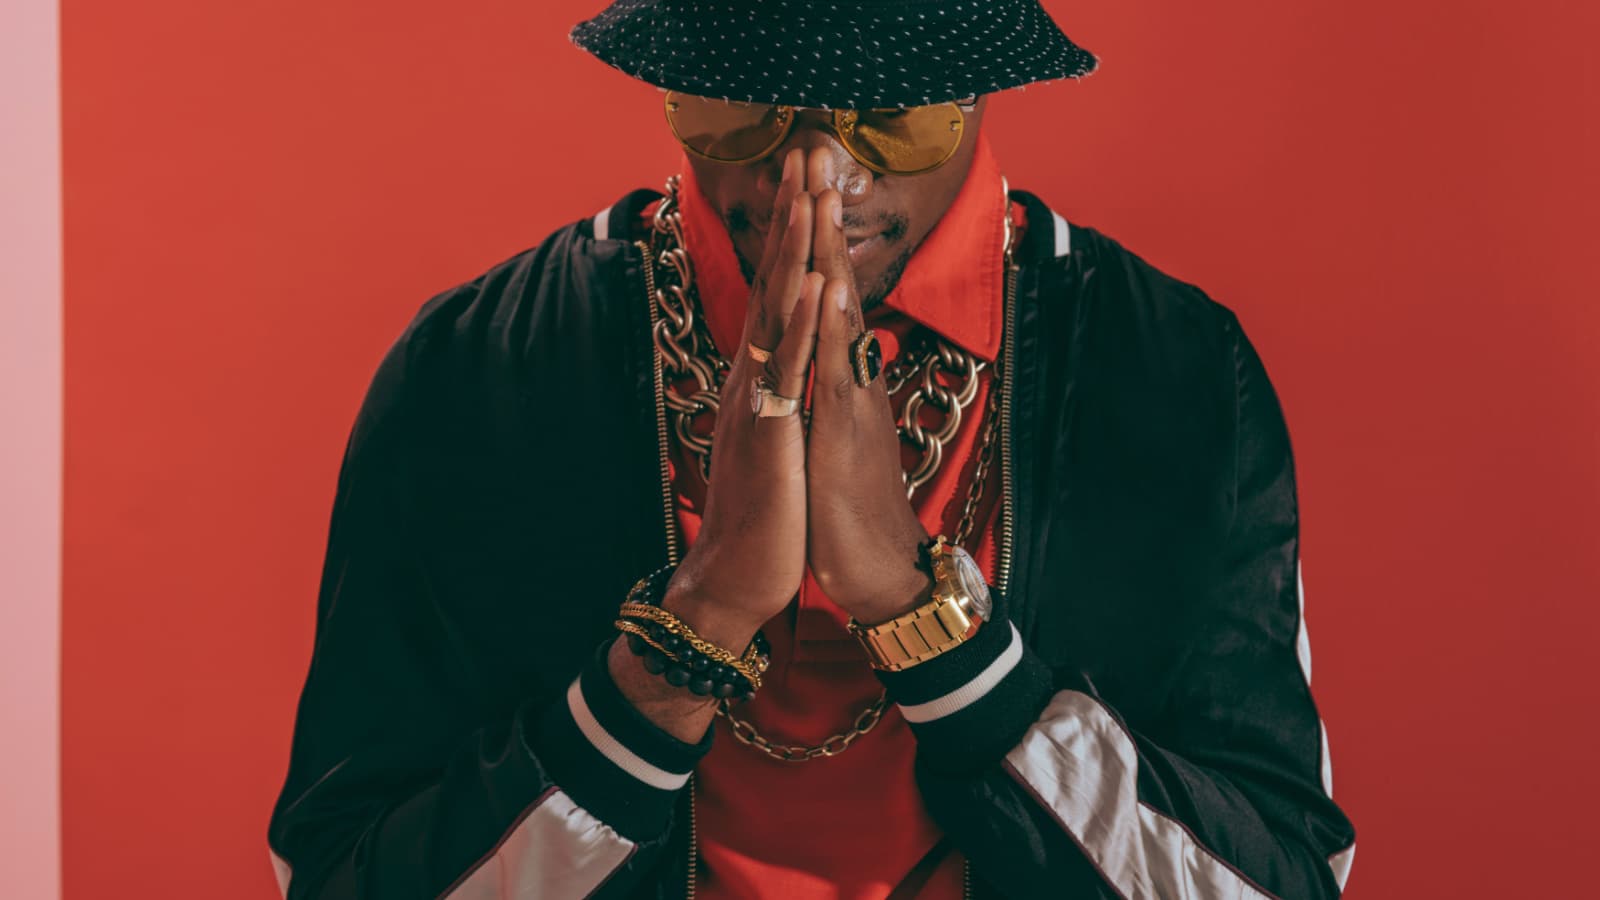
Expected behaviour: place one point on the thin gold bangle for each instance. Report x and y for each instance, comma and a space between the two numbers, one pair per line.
628, 626
680, 628
750, 665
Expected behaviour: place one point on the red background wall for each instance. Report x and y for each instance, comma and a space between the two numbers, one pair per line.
1397, 198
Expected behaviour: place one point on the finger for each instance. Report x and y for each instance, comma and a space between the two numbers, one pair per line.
776, 295
818, 170
842, 320
830, 252
792, 185
836, 387
778, 230
792, 360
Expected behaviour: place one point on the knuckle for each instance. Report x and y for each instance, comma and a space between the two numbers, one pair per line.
843, 386
784, 318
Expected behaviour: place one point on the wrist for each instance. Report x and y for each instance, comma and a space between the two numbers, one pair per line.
914, 588
711, 620
674, 710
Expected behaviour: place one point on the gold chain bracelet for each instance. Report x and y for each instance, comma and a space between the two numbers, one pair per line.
751, 665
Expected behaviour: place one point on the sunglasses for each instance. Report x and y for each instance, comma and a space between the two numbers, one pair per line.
903, 141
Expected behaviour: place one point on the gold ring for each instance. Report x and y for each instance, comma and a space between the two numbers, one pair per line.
758, 354
866, 357
767, 404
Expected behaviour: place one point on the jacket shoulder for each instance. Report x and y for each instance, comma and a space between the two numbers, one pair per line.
1146, 362
1128, 285
551, 307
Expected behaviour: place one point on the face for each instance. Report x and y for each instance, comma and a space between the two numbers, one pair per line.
885, 216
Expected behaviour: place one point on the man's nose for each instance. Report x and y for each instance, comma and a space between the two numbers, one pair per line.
813, 133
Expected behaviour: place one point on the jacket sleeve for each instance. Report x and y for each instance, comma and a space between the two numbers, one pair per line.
1051, 792
397, 787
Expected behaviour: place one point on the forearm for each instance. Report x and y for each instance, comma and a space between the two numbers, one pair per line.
672, 709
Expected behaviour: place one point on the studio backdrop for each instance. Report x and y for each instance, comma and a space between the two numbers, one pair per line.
1398, 200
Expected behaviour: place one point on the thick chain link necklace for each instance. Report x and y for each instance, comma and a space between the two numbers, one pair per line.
693, 372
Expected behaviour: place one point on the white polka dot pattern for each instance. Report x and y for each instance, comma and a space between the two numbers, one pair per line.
867, 54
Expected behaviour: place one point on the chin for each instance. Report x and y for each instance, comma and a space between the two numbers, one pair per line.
878, 277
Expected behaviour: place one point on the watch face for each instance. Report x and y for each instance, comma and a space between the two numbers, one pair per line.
972, 583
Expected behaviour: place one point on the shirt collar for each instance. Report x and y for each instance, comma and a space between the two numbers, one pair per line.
952, 283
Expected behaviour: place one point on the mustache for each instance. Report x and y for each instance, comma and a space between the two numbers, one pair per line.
739, 219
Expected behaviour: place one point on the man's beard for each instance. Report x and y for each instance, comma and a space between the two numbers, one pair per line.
872, 295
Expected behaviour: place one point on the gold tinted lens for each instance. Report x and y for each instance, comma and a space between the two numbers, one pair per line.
904, 141
726, 131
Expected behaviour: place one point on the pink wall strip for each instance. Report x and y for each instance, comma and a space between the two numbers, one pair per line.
30, 449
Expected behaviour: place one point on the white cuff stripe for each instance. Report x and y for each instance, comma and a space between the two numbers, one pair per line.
971, 692
612, 749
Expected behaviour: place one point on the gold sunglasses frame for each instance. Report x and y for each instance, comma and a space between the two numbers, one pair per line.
843, 123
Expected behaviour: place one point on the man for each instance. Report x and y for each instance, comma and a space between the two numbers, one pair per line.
662, 553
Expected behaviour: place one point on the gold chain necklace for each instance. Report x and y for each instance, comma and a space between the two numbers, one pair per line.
689, 357
693, 370
670, 358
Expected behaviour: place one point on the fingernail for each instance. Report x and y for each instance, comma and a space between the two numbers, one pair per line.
794, 213
841, 298
788, 166
838, 215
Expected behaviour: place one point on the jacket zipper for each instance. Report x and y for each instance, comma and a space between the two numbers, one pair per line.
1008, 383
669, 525
670, 529
1007, 518
1007, 514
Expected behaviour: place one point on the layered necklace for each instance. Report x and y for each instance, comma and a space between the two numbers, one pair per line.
693, 372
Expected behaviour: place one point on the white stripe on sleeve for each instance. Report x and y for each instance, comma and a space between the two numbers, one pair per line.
280, 871
1063, 234
612, 749
973, 690
1339, 862
1083, 767
558, 850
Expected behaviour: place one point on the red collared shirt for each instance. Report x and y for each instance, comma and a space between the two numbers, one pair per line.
850, 827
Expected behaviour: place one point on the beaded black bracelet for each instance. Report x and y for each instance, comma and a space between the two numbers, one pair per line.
675, 657
689, 668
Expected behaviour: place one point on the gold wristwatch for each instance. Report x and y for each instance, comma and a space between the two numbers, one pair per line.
960, 603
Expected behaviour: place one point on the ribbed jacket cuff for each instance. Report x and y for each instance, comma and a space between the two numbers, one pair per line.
612, 760
969, 706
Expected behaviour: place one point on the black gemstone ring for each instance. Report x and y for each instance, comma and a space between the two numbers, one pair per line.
866, 356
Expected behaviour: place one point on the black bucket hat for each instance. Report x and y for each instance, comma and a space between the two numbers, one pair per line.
865, 54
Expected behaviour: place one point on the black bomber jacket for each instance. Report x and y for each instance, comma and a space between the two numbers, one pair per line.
1135, 721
